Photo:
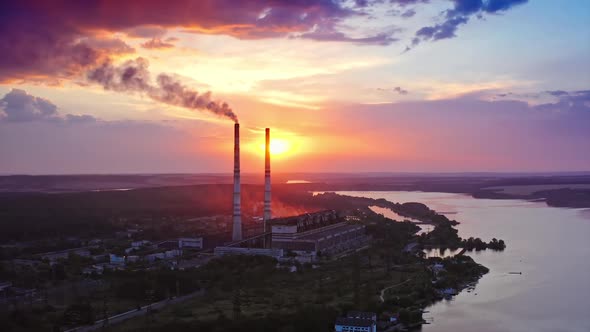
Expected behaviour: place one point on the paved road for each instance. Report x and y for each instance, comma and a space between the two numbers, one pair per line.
134, 313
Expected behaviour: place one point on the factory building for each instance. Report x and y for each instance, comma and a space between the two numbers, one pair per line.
192, 243
315, 234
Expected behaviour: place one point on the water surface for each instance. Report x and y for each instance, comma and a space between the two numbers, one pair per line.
550, 246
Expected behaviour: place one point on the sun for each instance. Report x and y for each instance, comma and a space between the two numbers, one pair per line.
279, 146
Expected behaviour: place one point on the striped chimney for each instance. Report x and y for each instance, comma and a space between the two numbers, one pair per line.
267, 208
237, 215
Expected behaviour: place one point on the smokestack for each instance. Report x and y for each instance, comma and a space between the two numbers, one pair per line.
267, 210
237, 216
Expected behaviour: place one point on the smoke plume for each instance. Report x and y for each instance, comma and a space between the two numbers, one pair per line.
134, 76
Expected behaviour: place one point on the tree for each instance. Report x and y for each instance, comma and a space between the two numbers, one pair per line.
237, 304
356, 278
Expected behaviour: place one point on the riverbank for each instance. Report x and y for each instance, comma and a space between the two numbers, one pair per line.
254, 293
535, 235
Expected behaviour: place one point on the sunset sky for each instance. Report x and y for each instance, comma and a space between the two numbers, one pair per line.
345, 86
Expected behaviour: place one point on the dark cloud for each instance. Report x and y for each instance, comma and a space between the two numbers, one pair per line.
397, 89
460, 14
37, 44
404, 3
62, 39
19, 106
469, 7
361, 3
329, 34
574, 101
400, 90
444, 30
557, 93
55, 40
110, 46
157, 43
493, 6
146, 31
408, 13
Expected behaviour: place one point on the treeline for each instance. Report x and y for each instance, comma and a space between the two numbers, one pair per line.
459, 270
445, 235
33, 216
315, 318
478, 244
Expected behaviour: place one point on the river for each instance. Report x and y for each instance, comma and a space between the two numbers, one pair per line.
550, 246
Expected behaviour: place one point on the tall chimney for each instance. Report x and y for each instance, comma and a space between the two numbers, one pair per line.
267, 210
237, 216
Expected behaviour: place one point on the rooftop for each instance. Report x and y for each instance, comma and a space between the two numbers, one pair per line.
293, 220
354, 322
361, 315
330, 231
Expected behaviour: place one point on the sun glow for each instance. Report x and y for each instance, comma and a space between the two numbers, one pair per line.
278, 146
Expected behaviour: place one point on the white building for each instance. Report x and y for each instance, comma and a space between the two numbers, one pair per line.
357, 321
116, 260
195, 243
222, 251
163, 255
65, 254
140, 243
344, 324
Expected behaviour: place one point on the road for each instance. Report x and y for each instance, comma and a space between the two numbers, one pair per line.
134, 313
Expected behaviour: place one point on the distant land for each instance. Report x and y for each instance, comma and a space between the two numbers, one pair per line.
556, 189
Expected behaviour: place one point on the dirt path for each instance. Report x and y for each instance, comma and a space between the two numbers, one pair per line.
392, 286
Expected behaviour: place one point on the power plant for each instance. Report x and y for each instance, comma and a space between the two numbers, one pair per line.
308, 236
237, 204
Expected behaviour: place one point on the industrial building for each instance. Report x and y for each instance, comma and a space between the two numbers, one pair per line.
314, 234
306, 237
191, 243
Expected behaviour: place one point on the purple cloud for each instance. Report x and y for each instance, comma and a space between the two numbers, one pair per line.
408, 13
400, 90
397, 89
19, 106
574, 101
157, 43
459, 15
62, 40
444, 30
557, 93
329, 34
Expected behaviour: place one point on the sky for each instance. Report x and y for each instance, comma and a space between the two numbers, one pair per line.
94, 87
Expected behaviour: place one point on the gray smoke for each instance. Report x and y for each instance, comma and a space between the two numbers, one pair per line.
134, 76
